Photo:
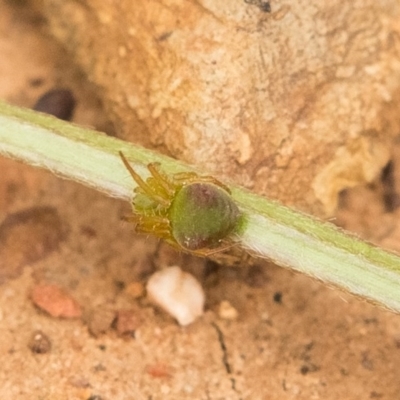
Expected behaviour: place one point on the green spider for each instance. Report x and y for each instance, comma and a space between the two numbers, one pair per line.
193, 213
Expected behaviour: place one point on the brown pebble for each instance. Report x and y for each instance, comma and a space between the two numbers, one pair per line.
39, 343
127, 322
100, 320
28, 236
55, 301
57, 102
278, 297
135, 289
79, 382
159, 370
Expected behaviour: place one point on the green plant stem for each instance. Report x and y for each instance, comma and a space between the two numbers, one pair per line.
287, 237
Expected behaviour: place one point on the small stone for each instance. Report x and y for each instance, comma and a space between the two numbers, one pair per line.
39, 343
265, 316
79, 382
127, 322
278, 297
100, 320
55, 301
159, 370
135, 289
57, 102
227, 311
178, 293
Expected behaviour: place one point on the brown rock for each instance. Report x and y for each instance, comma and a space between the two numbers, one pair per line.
135, 289
39, 343
297, 103
127, 322
55, 301
159, 370
100, 320
57, 102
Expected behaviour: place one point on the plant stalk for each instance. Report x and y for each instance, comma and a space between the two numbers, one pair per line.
272, 231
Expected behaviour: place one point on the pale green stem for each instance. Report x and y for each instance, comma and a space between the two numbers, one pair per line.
272, 231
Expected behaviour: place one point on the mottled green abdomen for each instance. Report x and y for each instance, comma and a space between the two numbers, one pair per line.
202, 215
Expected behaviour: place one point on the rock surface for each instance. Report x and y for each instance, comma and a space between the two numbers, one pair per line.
297, 104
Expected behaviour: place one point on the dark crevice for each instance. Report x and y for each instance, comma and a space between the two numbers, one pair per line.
224, 349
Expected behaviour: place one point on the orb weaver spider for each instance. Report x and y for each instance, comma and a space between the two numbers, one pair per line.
191, 212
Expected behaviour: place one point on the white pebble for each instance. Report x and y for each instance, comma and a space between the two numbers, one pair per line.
178, 293
227, 311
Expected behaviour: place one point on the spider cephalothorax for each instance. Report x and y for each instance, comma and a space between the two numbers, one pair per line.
195, 213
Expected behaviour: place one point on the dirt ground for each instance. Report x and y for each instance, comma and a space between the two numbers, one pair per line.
294, 338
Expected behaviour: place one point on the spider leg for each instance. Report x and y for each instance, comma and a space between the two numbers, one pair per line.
182, 176
153, 224
210, 252
162, 179
161, 187
147, 189
191, 177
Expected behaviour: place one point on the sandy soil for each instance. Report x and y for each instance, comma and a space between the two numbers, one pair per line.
294, 338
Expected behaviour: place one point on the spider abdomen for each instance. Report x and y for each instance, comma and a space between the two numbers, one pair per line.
202, 215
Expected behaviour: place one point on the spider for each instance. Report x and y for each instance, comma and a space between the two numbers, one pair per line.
191, 212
